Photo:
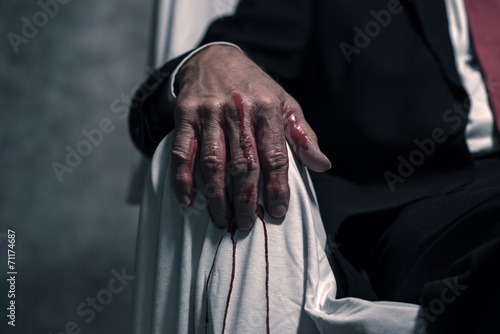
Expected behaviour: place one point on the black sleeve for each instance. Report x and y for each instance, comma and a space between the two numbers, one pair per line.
274, 34
146, 127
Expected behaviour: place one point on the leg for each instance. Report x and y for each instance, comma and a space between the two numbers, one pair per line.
442, 251
194, 278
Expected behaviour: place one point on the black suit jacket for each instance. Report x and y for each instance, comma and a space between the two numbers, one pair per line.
377, 82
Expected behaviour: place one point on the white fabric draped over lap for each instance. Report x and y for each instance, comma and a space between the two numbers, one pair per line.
179, 250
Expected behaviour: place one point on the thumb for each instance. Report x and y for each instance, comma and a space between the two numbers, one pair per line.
304, 140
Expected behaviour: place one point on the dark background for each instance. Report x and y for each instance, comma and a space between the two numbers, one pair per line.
70, 235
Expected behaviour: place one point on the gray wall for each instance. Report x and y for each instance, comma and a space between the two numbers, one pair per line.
70, 235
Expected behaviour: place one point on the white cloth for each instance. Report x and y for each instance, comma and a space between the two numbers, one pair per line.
180, 25
178, 249
481, 133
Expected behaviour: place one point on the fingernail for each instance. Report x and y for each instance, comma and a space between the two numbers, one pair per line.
277, 210
221, 219
185, 200
244, 222
329, 162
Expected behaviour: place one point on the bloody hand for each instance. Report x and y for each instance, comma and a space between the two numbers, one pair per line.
228, 108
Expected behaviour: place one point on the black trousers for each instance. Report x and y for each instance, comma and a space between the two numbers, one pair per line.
442, 252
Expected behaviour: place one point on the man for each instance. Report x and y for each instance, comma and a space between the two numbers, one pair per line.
411, 199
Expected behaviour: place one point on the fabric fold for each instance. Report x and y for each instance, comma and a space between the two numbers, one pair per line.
193, 277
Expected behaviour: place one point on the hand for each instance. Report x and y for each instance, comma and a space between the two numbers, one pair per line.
226, 102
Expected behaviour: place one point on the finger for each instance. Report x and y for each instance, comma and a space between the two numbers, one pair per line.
183, 158
303, 139
213, 166
273, 156
244, 164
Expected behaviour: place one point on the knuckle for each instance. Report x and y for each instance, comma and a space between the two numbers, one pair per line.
212, 164
179, 156
243, 199
244, 165
183, 162
187, 105
207, 109
211, 104
215, 194
267, 101
276, 160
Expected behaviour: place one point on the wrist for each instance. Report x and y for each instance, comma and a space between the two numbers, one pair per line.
202, 54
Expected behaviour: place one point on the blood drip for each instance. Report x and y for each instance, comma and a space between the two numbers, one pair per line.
266, 243
260, 212
231, 229
245, 145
